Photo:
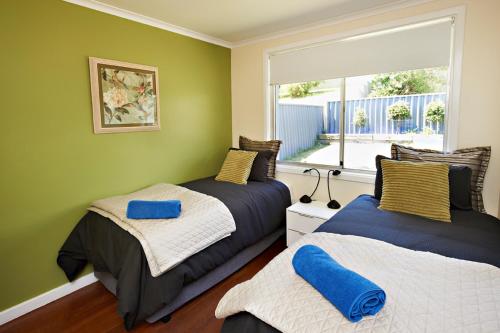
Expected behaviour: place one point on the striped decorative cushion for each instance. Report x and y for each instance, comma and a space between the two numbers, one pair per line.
272, 145
416, 188
237, 166
476, 159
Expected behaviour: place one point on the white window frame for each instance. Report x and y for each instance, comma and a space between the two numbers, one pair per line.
454, 86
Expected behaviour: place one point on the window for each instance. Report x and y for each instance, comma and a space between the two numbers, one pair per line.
307, 122
347, 111
406, 107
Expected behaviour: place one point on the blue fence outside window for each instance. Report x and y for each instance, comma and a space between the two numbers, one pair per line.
298, 126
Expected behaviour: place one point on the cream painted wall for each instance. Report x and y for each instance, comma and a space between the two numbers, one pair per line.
342, 191
479, 106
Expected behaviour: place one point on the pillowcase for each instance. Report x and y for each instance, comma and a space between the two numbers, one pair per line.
237, 166
476, 159
460, 194
378, 177
416, 188
260, 166
272, 145
459, 181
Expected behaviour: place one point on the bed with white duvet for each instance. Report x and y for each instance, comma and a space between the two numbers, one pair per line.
438, 277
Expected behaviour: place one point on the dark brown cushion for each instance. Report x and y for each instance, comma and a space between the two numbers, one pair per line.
272, 145
379, 182
476, 159
460, 195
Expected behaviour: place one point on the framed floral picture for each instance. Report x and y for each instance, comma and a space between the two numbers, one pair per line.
125, 96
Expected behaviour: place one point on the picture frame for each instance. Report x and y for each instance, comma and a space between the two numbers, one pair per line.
125, 96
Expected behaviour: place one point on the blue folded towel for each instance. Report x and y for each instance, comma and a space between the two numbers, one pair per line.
349, 292
142, 209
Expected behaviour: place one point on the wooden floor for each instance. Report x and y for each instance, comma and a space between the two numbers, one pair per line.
93, 308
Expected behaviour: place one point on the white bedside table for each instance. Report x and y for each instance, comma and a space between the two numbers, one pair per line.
304, 218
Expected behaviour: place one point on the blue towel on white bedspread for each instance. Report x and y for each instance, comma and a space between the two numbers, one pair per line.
353, 295
143, 209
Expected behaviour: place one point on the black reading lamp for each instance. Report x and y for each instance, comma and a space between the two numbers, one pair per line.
333, 204
308, 198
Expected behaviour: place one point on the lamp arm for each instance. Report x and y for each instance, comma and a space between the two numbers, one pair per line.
328, 184
317, 184
333, 204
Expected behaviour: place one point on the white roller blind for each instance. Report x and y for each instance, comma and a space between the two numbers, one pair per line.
412, 47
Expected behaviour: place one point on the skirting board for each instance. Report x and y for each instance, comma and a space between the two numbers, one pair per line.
45, 298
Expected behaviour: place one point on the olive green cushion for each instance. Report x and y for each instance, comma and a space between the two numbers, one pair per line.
416, 188
476, 158
237, 166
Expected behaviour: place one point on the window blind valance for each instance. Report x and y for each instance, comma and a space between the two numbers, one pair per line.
423, 45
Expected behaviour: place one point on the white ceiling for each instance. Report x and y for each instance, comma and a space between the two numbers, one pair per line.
235, 21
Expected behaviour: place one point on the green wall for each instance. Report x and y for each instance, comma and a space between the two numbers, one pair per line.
52, 165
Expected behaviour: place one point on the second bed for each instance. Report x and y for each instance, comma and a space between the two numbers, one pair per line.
471, 236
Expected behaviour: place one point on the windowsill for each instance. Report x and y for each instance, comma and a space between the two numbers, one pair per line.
346, 175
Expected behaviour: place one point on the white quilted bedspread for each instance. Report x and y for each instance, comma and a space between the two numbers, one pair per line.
425, 292
204, 220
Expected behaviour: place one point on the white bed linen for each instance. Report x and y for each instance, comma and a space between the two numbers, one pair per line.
204, 220
425, 292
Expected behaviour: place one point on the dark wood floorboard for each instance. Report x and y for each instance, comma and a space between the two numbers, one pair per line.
93, 308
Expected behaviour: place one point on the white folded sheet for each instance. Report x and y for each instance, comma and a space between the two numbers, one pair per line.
204, 220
